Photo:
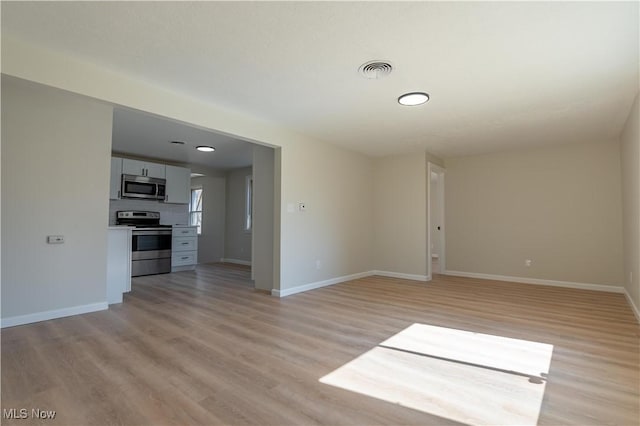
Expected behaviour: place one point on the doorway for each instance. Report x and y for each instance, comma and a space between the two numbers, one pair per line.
435, 221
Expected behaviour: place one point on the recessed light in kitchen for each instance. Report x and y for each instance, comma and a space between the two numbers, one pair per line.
413, 98
176, 142
205, 148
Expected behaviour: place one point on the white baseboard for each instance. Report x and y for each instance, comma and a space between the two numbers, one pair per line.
319, 284
401, 275
634, 308
236, 261
524, 280
312, 286
56, 313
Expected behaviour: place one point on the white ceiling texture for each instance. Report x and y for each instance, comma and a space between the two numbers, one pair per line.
501, 75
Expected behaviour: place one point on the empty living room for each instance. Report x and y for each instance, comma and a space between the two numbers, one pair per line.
332, 213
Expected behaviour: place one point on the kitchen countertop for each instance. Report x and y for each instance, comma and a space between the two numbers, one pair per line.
125, 227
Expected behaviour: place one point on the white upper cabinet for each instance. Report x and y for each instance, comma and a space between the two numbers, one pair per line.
133, 167
116, 173
178, 189
143, 168
156, 170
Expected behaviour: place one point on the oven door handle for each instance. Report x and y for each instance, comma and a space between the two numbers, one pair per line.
136, 233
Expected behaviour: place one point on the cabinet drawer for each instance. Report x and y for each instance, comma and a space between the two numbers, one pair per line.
183, 258
184, 244
184, 232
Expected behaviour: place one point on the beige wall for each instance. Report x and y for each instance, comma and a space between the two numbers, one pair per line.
432, 158
630, 158
336, 182
336, 228
262, 266
277, 215
339, 186
211, 240
56, 150
436, 210
237, 241
558, 206
400, 218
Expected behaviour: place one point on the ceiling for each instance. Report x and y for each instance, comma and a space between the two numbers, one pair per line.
146, 135
501, 75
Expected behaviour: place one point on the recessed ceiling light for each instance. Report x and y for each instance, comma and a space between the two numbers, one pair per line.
413, 98
205, 148
177, 142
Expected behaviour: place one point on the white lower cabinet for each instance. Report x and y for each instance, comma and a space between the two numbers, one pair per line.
115, 181
118, 263
183, 258
184, 248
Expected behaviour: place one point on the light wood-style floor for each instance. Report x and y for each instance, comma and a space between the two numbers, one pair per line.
204, 348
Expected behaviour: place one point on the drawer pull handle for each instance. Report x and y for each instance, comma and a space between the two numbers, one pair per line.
185, 257
185, 244
185, 232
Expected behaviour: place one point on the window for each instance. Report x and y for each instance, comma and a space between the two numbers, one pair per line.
195, 209
248, 216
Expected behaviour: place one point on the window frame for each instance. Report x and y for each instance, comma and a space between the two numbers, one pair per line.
192, 210
248, 203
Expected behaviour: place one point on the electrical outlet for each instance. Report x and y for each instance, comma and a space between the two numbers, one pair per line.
527, 262
55, 239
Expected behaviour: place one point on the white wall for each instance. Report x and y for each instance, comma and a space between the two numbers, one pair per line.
558, 206
55, 180
211, 241
630, 159
237, 241
263, 217
400, 215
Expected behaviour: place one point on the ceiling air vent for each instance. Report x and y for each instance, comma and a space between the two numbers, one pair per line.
375, 69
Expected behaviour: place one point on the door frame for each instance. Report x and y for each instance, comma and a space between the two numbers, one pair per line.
440, 171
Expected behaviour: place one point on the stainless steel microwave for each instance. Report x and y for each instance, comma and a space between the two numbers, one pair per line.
143, 187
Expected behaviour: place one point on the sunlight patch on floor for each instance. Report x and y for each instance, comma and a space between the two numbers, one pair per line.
468, 377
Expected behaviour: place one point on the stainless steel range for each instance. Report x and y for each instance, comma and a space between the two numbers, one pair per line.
150, 242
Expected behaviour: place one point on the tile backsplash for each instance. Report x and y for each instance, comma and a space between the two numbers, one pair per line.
170, 214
